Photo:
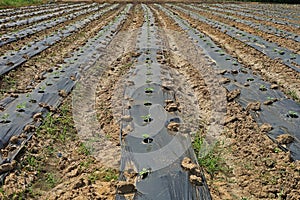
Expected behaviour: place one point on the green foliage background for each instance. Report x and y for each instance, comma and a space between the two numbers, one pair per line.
14, 3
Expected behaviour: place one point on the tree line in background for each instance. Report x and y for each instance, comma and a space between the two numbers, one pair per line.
274, 1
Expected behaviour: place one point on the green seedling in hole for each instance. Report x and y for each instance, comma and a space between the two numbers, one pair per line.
5, 117
146, 118
270, 98
293, 56
148, 81
149, 89
262, 88
293, 114
144, 173
149, 73
250, 79
28, 95
21, 105
42, 88
145, 136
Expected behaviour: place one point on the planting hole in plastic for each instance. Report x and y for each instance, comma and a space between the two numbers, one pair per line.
147, 103
147, 140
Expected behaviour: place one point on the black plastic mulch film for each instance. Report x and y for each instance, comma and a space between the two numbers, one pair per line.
265, 11
19, 112
150, 148
272, 50
256, 89
40, 12
264, 28
35, 19
14, 36
265, 18
15, 11
13, 59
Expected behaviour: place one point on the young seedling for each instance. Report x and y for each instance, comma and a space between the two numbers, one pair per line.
21, 107
149, 90
5, 118
146, 118
144, 173
262, 88
250, 79
149, 73
147, 103
293, 114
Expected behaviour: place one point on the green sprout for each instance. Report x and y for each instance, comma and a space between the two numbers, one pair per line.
293, 114
262, 88
149, 90
5, 117
21, 105
146, 118
144, 173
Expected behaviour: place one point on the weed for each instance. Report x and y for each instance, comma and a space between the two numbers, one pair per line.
293, 94
93, 177
87, 163
212, 162
83, 149
110, 175
277, 150
31, 161
51, 179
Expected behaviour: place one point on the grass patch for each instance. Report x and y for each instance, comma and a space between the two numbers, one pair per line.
212, 162
18, 3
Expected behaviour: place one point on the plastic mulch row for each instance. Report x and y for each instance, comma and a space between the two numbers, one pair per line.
14, 59
14, 36
35, 19
265, 28
15, 11
150, 148
270, 49
40, 12
276, 21
252, 89
50, 92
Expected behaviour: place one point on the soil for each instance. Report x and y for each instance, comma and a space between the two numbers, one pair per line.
63, 160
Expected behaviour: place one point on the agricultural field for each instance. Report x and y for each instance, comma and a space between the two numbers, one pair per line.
161, 100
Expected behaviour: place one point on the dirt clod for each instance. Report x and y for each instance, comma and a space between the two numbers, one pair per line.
196, 180
254, 106
233, 94
173, 126
285, 139
124, 187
